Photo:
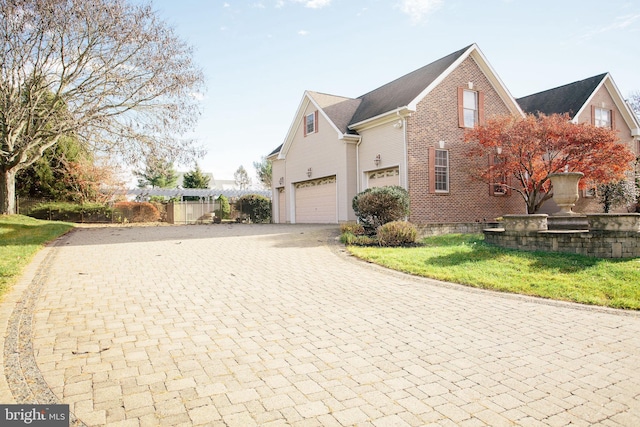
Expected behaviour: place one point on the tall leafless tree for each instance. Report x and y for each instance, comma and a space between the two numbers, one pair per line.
108, 72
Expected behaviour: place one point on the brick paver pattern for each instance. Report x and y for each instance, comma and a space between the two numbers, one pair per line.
242, 325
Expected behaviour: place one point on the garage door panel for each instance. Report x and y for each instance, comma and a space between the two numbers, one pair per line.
384, 178
316, 201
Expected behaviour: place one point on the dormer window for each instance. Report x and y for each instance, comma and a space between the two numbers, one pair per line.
311, 123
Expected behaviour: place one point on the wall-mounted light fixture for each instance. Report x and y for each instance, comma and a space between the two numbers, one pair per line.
309, 172
398, 124
499, 150
470, 85
281, 180
441, 144
377, 160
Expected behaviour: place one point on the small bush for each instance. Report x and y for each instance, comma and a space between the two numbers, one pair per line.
256, 207
397, 233
136, 212
224, 211
349, 238
352, 227
379, 205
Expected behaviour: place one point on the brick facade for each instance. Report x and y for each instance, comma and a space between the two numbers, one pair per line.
436, 119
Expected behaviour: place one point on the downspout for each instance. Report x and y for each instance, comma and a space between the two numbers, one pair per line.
358, 180
405, 154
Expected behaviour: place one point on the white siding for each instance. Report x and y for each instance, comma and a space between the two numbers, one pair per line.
386, 140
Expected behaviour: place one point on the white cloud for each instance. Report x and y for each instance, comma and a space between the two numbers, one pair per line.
620, 23
418, 9
259, 5
226, 5
279, 4
303, 32
314, 4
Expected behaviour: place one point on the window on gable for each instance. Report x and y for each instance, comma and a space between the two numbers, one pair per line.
311, 123
602, 118
441, 171
470, 108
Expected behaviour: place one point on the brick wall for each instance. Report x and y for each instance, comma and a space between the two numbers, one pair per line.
436, 119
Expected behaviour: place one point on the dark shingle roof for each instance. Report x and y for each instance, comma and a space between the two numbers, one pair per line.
569, 98
402, 91
276, 151
396, 94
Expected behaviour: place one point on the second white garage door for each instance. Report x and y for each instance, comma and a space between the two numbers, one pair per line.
384, 177
316, 201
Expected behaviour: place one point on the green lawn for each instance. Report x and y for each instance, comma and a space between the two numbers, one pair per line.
20, 238
467, 260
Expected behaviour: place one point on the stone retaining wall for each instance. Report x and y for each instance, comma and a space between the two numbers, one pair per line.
438, 229
615, 236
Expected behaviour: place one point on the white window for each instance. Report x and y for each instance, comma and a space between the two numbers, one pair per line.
442, 171
603, 118
470, 106
310, 123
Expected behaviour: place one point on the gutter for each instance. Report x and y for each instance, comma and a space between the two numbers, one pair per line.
391, 115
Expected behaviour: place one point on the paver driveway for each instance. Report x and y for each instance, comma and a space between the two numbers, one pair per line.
270, 325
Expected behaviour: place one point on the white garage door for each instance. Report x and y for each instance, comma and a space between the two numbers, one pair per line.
316, 201
282, 214
384, 177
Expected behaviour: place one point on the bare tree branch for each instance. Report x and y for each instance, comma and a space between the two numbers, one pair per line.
110, 73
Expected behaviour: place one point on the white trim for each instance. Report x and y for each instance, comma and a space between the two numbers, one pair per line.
300, 118
587, 103
628, 116
389, 116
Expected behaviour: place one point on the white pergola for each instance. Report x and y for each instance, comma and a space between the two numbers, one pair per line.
202, 193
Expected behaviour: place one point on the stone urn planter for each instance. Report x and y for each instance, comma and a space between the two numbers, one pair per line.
565, 191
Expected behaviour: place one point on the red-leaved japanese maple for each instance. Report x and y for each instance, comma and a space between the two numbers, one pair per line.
523, 151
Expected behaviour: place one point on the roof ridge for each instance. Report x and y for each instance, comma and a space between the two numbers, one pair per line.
456, 53
598, 78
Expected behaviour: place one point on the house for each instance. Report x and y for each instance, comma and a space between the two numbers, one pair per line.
595, 100
408, 132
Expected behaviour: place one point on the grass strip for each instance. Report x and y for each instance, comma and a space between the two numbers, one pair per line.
466, 259
20, 238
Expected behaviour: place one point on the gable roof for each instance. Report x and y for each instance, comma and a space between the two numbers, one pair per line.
569, 98
402, 91
573, 98
401, 95
338, 109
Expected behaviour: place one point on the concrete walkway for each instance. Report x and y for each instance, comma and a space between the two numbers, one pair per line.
241, 325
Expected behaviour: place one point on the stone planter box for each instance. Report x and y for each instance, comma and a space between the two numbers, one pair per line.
525, 223
614, 222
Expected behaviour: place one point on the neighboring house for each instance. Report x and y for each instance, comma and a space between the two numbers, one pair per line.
597, 101
408, 132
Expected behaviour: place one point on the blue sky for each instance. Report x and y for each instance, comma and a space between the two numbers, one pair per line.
259, 56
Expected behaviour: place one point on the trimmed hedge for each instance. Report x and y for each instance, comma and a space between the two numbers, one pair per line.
135, 212
72, 212
379, 205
